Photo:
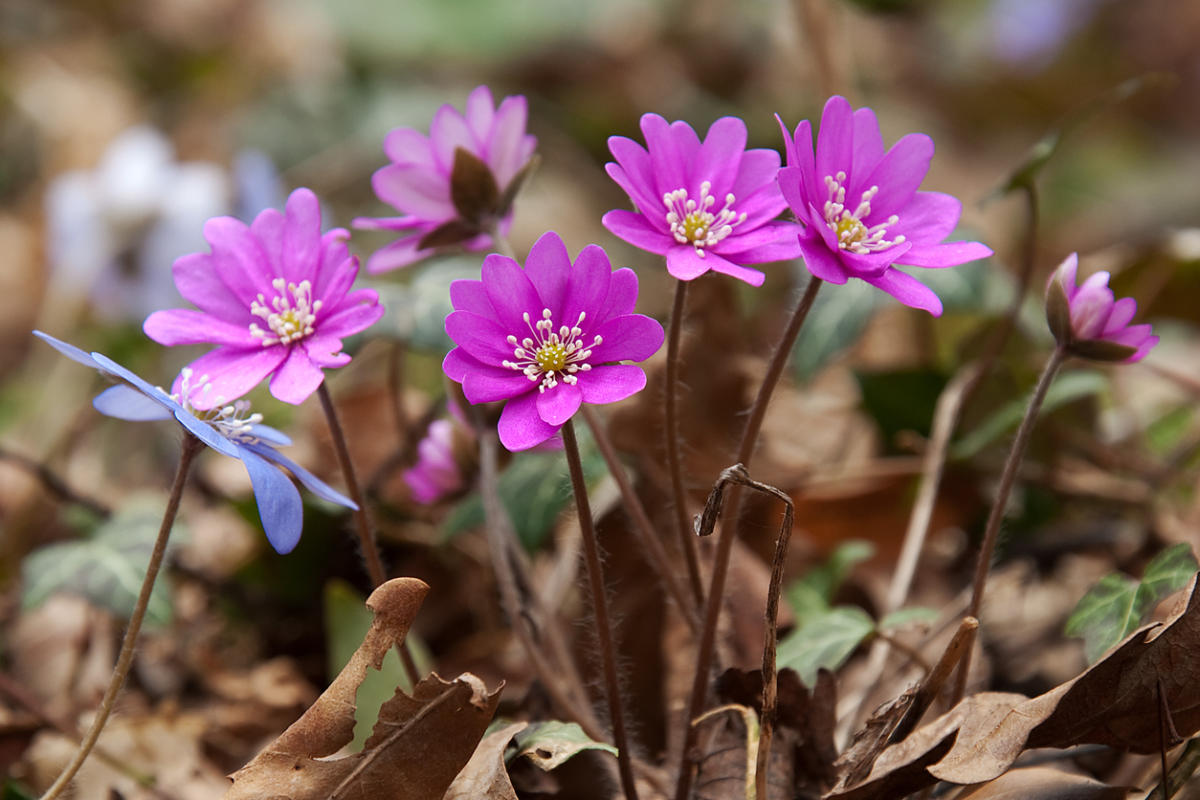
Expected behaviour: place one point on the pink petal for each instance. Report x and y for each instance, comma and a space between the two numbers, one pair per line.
301, 246
233, 372
481, 337
481, 110
723, 265
196, 280
637, 231
1122, 313
408, 146
268, 229
356, 316
414, 189
622, 295
587, 287
297, 378
821, 261
400, 253
325, 351
835, 140
557, 405
774, 241
898, 175
868, 143
458, 364
484, 384
520, 426
928, 218
516, 301
950, 254
448, 132
608, 384
1065, 275
684, 264
862, 265
908, 290
548, 267
184, 326
1136, 336
508, 148
720, 156
668, 152
631, 337
388, 223
237, 258
791, 184
634, 173
333, 281
1092, 306
758, 169
469, 295
800, 155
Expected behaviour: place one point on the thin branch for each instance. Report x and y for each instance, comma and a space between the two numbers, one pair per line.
55, 484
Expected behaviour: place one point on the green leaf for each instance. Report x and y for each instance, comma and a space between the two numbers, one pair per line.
1066, 389
109, 566
15, 791
825, 641
812, 595
347, 620
1106, 614
900, 400
549, 744
1167, 572
907, 616
838, 317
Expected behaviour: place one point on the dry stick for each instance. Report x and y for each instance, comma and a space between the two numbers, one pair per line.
931, 686
683, 525
996, 516
561, 681
647, 536
945, 418
54, 484
815, 27
738, 476
608, 658
191, 446
366, 537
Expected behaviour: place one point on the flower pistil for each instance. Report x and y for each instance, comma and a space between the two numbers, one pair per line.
692, 222
852, 233
290, 317
549, 354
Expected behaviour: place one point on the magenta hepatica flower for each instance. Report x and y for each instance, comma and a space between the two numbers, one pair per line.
274, 297
230, 430
707, 205
454, 184
860, 207
1089, 322
436, 473
547, 337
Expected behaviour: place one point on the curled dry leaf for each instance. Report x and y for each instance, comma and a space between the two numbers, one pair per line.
1114, 703
417, 747
1044, 783
485, 777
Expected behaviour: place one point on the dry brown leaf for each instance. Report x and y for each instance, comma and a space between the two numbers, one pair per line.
417, 747
1114, 703
1044, 783
485, 777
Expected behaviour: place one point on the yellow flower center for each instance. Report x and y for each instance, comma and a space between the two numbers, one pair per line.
550, 354
551, 357
693, 222
290, 317
852, 233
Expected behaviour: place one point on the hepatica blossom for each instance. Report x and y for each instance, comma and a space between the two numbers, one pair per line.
454, 184
1089, 322
230, 430
274, 297
547, 337
707, 205
861, 211
436, 473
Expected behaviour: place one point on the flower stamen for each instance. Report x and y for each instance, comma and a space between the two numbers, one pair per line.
550, 355
852, 233
692, 222
232, 420
291, 316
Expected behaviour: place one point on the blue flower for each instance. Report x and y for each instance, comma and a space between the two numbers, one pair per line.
227, 429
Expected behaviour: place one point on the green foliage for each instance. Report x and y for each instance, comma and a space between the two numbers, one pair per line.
108, 566
900, 400
838, 317
1117, 605
907, 616
1066, 389
826, 640
549, 744
534, 488
15, 791
812, 595
347, 620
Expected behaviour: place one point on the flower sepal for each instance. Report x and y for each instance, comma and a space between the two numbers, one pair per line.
1101, 350
1058, 311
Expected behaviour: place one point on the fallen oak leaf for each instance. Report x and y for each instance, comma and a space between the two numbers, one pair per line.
485, 777
416, 748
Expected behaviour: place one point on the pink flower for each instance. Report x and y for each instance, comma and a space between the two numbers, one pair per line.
274, 297
453, 185
547, 337
707, 205
1089, 322
436, 473
860, 207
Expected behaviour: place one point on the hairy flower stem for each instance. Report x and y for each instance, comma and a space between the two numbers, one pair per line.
720, 566
367, 544
656, 554
191, 446
591, 550
683, 524
996, 516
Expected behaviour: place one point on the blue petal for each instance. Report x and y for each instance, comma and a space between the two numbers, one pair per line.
69, 350
278, 500
269, 434
125, 402
106, 364
310, 481
207, 434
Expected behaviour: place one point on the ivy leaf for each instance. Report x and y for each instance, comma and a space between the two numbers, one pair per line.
108, 567
825, 641
549, 744
907, 616
1167, 572
1106, 614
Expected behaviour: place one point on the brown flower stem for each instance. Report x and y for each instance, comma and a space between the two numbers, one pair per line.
591, 550
683, 524
720, 566
368, 546
996, 516
191, 446
656, 554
